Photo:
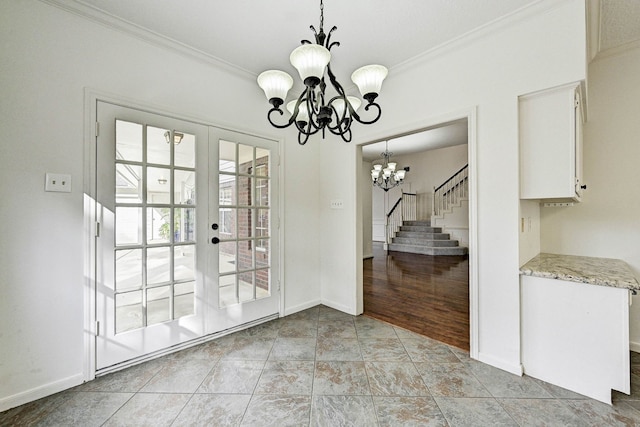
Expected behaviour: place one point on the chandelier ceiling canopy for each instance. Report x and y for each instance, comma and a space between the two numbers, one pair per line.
314, 110
386, 175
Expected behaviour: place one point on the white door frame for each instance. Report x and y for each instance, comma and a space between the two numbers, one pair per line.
91, 98
470, 114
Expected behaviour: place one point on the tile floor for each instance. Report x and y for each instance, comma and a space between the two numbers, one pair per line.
321, 367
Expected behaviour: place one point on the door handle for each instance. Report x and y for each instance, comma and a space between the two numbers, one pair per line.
214, 226
215, 240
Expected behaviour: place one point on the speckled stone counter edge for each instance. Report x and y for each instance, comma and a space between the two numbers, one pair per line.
595, 271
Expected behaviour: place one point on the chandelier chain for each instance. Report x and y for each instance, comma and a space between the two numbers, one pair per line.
321, 15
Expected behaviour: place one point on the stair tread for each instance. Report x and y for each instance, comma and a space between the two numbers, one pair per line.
423, 235
425, 242
428, 250
420, 228
426, 223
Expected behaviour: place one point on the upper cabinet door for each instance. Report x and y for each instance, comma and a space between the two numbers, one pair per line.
551, 144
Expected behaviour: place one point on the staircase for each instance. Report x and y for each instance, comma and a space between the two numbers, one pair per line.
419, 237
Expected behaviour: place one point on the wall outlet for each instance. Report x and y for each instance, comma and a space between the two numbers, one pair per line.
337, 204
59, 182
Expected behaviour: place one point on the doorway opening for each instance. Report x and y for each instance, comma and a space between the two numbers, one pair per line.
419, 275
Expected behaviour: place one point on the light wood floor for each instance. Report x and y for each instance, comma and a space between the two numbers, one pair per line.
425, 294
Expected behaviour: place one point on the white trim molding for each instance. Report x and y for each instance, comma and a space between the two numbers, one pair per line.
36, 393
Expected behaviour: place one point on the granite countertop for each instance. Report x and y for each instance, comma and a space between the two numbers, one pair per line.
596, 271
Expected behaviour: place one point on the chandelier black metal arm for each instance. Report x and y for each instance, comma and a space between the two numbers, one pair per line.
305, 129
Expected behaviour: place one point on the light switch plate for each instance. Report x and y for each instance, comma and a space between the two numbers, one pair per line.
59, 182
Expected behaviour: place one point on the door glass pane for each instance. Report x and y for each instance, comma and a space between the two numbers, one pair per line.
245, 191
227, 223
185, 187
128, 183
128, 226
184, 224
158, 185
262, 283
245, 223
245, 285
227, 290
185, 151
262, 253
128, 141
227, 190
158, 265
184, 262
245, 255
159, 225
128, 311
245, 159
262, 223
183, 299
227, 155
262, 192
262, 162
128, 269
227, 257
158, 305
158, 147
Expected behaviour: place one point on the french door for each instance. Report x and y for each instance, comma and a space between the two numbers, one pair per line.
186, 239
243, 207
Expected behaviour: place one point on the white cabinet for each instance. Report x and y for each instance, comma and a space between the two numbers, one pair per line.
576, 336
551, 144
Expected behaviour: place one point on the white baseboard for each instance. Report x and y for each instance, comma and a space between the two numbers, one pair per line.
296, 308
367, 256
340, 307
634, 346
45, 390
501, 364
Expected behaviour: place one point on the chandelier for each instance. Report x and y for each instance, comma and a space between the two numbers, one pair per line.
385, 175
314, 110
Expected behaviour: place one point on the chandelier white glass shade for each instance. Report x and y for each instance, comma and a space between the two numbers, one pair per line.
387, 175
314, 109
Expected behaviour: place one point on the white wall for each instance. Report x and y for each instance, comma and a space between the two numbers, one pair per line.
607, 221
541, 51
341, 228
529, 230
48, 58
428, 169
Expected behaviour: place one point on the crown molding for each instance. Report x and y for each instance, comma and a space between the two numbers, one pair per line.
593, 29
617, 51
499, 24
92, 13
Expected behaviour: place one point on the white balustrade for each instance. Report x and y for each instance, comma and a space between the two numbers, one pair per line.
404, 210
451, 191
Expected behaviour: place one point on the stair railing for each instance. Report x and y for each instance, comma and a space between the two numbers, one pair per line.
451, 191
405, 209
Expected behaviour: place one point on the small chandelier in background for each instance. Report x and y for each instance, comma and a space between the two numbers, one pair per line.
386, 175
312, 111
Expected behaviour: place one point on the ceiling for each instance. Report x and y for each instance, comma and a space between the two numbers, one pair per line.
445, 135
250, 36
257, 35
